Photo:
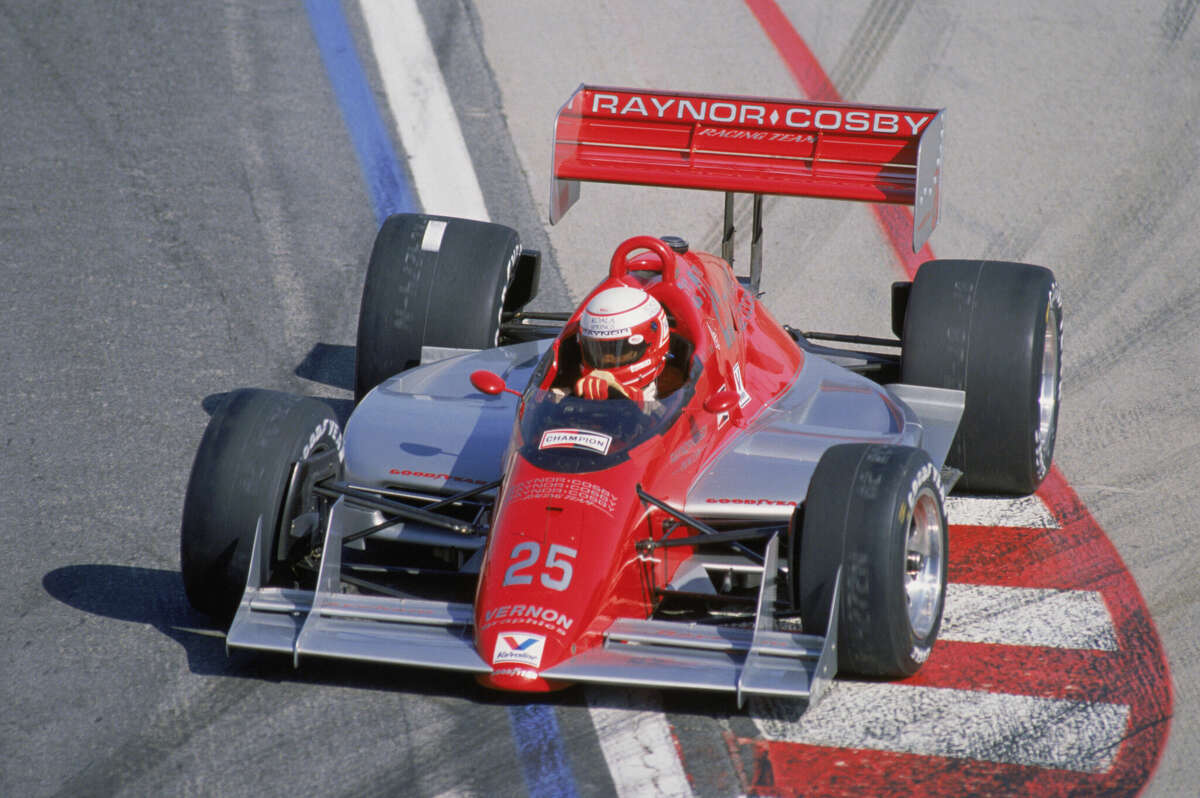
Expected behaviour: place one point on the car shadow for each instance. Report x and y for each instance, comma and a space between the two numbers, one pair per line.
156, 598
147, 596
329, 364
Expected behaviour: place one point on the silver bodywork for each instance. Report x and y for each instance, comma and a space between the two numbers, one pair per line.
429, 430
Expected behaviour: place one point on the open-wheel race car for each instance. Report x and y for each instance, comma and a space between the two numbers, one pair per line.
665, 487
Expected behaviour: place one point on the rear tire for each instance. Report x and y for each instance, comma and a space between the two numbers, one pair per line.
431, 281
994, 330
240, 474
876, 511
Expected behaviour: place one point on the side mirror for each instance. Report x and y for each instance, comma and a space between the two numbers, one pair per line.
721, 402
490, 383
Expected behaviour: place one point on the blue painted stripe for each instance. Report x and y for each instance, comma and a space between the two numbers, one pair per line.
535, 728
540, 749
387, 183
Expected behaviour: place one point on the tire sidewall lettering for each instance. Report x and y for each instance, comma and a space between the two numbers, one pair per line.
508, 275
926, 474
327, 428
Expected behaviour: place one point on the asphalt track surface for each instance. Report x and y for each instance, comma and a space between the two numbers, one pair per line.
185, 212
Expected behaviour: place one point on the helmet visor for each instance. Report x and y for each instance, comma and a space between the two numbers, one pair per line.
609, 353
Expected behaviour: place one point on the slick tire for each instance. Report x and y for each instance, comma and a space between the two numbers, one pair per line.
994, 330
240, 475
876, 511
431, 281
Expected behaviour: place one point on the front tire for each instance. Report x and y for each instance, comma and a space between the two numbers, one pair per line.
431, 281
993, 330
240, 475
876, 511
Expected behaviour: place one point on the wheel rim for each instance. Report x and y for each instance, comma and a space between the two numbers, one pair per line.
924, 556
1048, 390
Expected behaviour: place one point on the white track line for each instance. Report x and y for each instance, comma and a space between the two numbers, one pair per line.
1028, 511
1025, 513
963, 724
637, 742
443, 175
1019, 616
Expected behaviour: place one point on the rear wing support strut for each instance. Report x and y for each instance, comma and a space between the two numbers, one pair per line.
729, 230
756, 233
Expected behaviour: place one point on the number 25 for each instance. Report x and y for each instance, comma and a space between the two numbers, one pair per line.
558, 558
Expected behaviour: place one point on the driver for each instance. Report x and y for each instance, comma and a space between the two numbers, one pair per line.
623, 337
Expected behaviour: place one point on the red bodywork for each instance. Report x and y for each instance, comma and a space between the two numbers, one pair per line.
561, 562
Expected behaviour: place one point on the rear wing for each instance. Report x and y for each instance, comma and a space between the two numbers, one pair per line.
870, 153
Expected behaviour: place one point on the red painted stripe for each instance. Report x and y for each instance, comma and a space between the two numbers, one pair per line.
1076, 556
978, 554
1071, 558
897, 223
1070, 674
794, 51
771, 769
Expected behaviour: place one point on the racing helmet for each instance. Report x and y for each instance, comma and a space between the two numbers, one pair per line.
624, 332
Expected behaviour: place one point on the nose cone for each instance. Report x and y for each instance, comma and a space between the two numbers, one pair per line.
517, 657
558, 565
536, 596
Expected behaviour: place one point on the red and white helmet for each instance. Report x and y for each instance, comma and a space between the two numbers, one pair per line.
623, 331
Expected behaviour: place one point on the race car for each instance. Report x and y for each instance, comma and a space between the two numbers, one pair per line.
664, 487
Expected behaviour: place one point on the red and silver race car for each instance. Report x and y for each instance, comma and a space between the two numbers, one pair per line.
766, 510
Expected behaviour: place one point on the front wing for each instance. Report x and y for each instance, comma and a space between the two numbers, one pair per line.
766, 660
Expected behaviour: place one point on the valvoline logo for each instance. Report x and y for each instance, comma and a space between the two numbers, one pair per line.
518, 647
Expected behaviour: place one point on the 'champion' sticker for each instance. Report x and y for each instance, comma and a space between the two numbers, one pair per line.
575, 439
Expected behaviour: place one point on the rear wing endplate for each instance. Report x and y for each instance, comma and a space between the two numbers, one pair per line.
754, 145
